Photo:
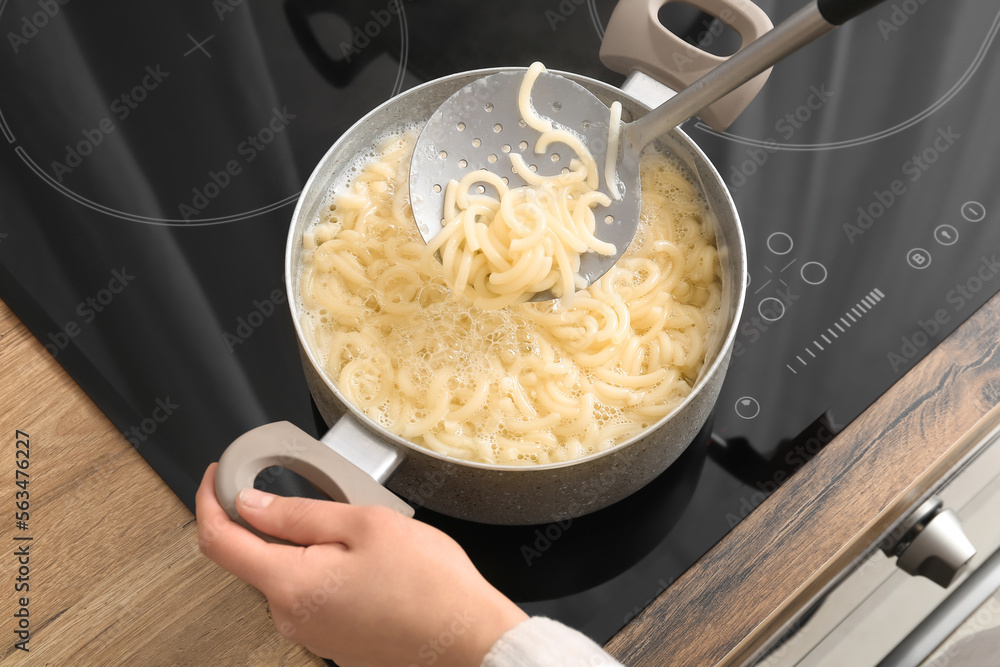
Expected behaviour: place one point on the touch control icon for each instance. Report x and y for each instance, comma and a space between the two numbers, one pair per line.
771, 309
973, 211
945, 234
813, 273
747, 407
780, 243
918, 258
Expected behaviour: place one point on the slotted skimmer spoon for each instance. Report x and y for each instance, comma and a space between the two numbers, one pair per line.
479, 125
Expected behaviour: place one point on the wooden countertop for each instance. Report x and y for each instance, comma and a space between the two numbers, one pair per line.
116, 576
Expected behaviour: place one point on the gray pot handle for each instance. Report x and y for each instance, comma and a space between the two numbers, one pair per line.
636, 41
284, 444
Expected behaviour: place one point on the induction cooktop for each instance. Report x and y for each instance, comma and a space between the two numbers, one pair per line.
153, 152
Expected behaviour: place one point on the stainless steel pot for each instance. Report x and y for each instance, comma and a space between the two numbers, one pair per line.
356, 456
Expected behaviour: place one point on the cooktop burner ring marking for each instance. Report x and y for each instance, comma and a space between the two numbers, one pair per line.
131, 217
180, 222
6, 129
404, 51
595, 18
977, 61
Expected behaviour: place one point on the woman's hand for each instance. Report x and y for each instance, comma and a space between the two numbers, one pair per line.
370, 587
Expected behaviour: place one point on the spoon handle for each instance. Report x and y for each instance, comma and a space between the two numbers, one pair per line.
815, 19
839, 12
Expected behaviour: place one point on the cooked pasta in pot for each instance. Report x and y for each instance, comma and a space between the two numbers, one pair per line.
530, 383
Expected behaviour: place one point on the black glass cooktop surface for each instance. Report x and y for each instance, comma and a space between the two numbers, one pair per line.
153, 152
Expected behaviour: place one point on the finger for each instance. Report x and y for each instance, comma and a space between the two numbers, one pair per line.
301, 520
232, 546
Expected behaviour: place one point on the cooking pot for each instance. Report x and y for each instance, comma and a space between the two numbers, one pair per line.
357, 455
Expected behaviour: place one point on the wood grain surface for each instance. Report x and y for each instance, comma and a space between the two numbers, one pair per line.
116, 577
772, 565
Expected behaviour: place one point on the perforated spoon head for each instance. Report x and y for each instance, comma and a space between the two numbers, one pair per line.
480, 126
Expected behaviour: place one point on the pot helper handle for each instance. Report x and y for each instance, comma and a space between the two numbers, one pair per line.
636, 41
284, 444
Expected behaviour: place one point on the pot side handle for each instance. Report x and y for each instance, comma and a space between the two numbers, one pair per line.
636, 41
284, 444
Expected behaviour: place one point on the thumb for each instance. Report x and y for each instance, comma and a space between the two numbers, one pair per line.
303, 521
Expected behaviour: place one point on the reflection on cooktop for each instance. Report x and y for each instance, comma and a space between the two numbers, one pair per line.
536, 563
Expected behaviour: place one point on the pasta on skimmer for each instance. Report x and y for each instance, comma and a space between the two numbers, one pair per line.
502, 250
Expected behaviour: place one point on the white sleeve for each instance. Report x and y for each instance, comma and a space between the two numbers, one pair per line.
542, 642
